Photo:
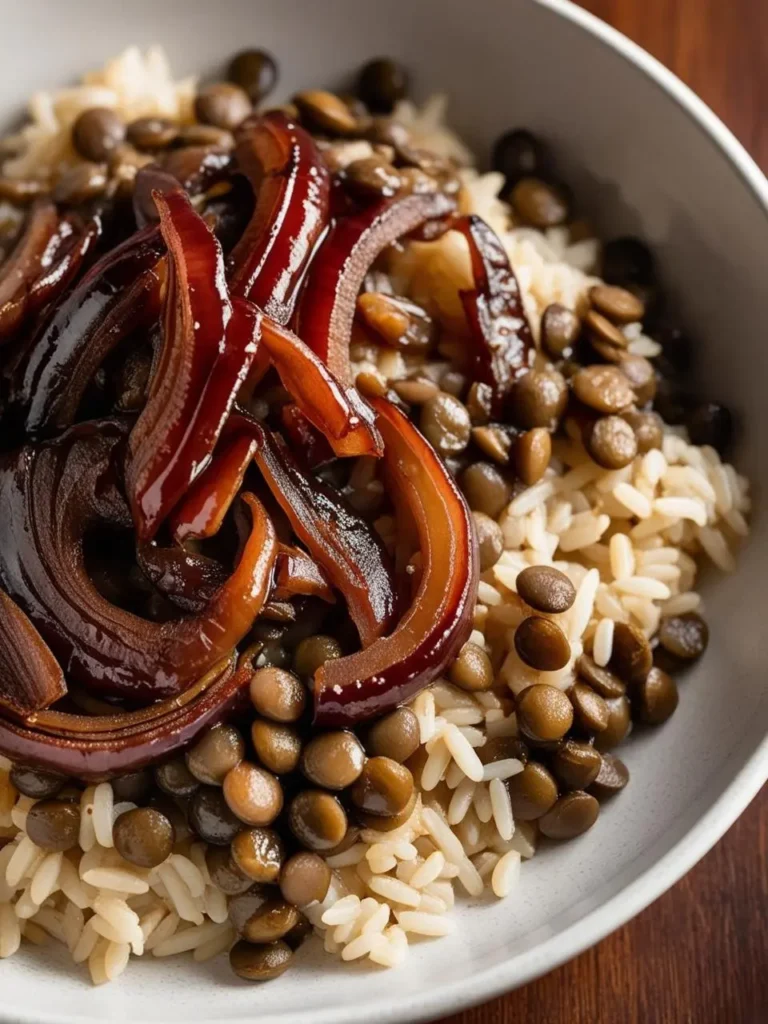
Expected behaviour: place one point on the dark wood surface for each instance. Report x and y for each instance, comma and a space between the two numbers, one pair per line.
699, 955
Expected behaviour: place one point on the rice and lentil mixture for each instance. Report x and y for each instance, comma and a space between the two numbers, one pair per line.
589, 544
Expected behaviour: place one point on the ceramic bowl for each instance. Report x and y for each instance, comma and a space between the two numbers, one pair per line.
644, 156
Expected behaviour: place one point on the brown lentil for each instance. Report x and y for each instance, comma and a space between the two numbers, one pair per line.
211, 817
416, 390
490, 540
151, 133
333, 760
54, 824
260, 918
258, 853
518, 154
388, 824
205, 135
684, 636
576, 765
278, 747
641, 375
314, 651
36, 783
96, 133
560, 329
485, 489
323, 111
573, 815
382, 83
472, 669
81, 183
134, 786
603, 388
631, 658
317, 819
260, 963
531, 455
222, 105
538, 203
304, 879
656, 697
544, 713
445, 423
384, 787
619, 722
144, 836
600, 329
225, 874
219, 750
255, 71
541, 644
277, 694
395, 735
602, 680
453, 382
612, 777
648, 428
611, 442
253, 794
493, 442
590, 710
538, 399
501, 748
372, 178
479, 403
618, 304
175, 779
533, 791
546, 589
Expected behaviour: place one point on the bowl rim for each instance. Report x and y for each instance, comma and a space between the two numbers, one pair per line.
655, 880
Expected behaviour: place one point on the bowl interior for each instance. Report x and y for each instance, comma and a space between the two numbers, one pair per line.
638, 162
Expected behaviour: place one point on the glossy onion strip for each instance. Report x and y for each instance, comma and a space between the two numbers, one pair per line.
56, 741
292, 188
208, 346
120, 293
346, 547
298, 574
50, 496
337, 410
439, 620
30, 676
193, 168
189, 580
327, 306
210, 497
24, 265
503, 345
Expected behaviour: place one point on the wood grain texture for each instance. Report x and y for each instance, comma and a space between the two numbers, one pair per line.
699, 955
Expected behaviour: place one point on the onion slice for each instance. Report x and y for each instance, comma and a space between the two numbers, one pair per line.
327, 306
439, 620
30, 676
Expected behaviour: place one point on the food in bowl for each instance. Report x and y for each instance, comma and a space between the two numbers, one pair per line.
351, 517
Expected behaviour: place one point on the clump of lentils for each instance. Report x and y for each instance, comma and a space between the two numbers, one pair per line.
271, 796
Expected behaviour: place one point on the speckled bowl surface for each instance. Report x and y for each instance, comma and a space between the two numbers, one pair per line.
646, 157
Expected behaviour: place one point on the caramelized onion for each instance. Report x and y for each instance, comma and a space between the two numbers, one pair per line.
503, 346
50, 495
99, 748
24, 265
30, 676
439, 621
327, 307
120, 293
208, 345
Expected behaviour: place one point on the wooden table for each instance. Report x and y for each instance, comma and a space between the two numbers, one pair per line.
699, 955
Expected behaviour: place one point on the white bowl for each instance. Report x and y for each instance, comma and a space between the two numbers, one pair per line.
644, 156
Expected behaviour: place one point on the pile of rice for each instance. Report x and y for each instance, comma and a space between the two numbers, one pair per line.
628, 539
